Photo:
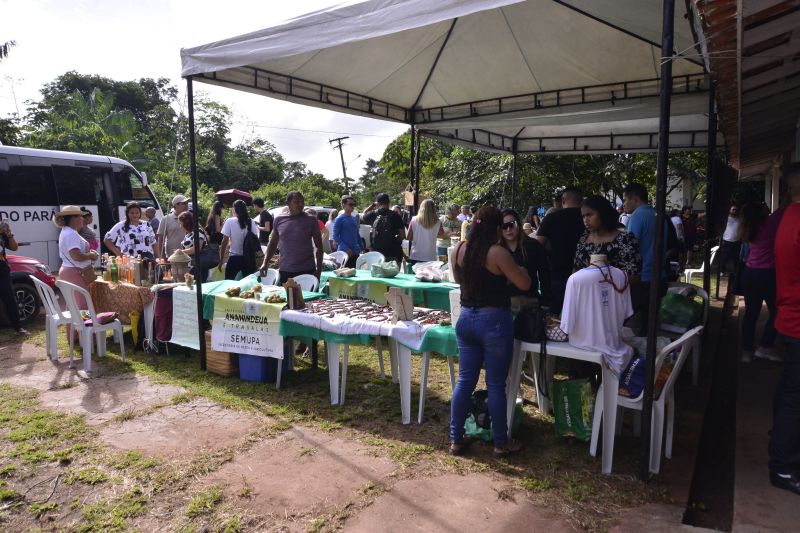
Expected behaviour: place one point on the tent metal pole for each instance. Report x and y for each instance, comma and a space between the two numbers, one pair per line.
711, 187
514, 177
418, 152
196, 225
668, 21
412, 167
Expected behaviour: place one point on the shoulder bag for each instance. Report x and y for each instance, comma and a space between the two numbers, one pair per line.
530, 326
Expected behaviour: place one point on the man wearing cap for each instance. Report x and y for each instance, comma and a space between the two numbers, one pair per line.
170, 230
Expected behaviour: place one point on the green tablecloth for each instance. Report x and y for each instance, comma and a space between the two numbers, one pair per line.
363, 285
211, 289
439, 339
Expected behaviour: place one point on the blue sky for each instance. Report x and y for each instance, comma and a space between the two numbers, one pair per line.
131, 39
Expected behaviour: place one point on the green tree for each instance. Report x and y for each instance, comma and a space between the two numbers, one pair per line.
10, 131
5, 48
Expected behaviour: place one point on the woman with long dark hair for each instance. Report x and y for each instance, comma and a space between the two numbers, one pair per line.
485, 330
234, 232
529, 254
132, 236
758, 232
214, 223
603, 237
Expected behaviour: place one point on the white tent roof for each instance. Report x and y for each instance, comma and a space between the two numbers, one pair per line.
581, 73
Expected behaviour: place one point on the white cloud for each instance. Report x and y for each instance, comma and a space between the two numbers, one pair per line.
126, 39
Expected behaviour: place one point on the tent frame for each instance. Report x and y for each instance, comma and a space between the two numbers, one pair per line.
338, 99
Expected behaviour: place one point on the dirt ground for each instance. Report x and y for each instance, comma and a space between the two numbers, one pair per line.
155, 444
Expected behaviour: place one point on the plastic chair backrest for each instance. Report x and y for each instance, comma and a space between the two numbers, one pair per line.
369, 259
685, 343
271, 277
69, 290
307, 282
340, 257
48, 298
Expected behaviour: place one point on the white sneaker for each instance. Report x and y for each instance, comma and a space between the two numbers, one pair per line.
747, 356
767, 353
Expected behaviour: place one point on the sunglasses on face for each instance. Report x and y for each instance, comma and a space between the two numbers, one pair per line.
508, 225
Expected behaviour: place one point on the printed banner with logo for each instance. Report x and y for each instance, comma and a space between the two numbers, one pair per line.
247, 326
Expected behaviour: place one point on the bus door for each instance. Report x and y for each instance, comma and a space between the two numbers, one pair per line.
83, 185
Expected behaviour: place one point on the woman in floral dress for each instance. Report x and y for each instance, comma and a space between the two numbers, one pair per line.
132, 236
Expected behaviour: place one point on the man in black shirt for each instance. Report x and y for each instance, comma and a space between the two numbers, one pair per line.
264, 221
559, 233
388, 230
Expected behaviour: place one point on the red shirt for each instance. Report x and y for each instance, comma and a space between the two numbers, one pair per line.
787, 271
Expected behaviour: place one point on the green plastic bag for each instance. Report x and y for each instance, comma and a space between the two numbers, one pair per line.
679, 313
387, 269
474, 431
573, 407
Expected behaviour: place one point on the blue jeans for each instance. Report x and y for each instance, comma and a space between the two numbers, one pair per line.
485, 338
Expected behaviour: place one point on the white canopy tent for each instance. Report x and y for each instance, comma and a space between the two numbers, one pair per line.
556, 76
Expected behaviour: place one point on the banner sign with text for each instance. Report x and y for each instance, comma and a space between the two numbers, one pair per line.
184, 318
247, 326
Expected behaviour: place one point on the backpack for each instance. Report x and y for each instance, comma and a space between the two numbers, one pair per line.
251, 248
383, 234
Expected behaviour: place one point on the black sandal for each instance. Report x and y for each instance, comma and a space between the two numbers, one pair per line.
512, 446
460, 447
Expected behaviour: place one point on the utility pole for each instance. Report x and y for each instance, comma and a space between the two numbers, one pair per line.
338, 142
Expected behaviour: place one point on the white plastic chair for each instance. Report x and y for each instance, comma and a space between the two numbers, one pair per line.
663, 406
340, 257
307, 282
271, 277
369, 259
689, 272
88, 333
677, 286
55, 317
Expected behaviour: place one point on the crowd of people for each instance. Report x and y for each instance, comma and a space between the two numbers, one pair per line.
502, 262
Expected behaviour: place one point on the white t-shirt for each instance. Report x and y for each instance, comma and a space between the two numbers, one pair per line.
731, 230
594, 312
677, 221
423, 244
623, 219
235, 233
69, 240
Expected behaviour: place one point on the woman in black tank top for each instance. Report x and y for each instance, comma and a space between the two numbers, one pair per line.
484, 330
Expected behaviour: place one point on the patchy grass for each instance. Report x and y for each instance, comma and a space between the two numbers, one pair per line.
204, 502
88, 476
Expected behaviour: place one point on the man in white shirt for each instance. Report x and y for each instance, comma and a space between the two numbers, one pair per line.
731, 243
465, 214
596, 304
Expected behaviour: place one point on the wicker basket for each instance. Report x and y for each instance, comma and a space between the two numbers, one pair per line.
221, 363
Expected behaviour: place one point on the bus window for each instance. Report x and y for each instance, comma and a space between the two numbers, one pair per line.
77, 185
131, 189
27, 186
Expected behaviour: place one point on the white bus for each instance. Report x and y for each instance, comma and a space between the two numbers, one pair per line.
35, 184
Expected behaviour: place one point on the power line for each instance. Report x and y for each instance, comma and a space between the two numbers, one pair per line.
326, 132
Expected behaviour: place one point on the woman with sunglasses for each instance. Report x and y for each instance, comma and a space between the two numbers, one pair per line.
603, 237
485, 330
529, 254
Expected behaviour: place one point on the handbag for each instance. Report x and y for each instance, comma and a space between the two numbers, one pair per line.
209, 257
530, 326
87, 273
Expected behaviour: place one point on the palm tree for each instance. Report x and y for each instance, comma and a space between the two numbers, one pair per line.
5, 48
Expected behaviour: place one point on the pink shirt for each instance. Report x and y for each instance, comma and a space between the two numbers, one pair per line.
762, 248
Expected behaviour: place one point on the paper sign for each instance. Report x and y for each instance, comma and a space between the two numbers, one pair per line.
246, 326
184, 318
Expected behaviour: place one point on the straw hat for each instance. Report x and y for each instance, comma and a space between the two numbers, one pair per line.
70, 210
